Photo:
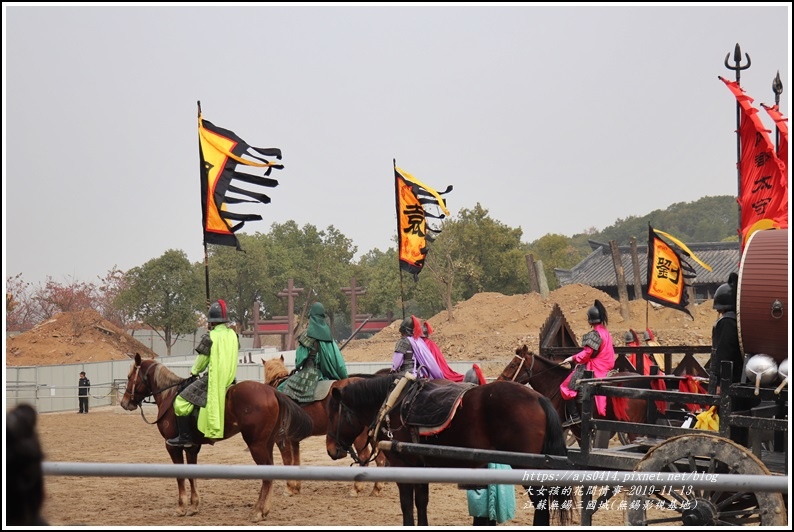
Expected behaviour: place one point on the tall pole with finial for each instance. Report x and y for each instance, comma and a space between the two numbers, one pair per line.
737, 68
777, 88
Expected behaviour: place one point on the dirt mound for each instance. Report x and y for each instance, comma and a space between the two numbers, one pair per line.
72, 338
490, 326
486, 328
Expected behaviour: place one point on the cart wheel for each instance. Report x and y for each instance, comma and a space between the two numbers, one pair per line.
682, 505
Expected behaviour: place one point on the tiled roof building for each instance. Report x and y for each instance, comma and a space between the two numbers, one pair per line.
597, 269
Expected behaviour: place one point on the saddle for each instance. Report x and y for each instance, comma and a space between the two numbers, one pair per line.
429, 406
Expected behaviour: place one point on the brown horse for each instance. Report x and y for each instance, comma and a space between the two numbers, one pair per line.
258, 412
275, 373
546, 375
502, 416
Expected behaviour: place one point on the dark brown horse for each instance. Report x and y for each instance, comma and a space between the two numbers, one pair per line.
275, 373
502, 416
257, 411
546, 375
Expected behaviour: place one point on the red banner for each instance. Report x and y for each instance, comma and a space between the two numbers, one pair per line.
763, 182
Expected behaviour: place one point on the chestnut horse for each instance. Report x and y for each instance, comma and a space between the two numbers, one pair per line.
257, 411
503, 416
275, 373
546, 375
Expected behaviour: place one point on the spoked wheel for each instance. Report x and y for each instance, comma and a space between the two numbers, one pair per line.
682, 505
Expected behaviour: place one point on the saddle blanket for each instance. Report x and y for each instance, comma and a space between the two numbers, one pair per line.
430, 405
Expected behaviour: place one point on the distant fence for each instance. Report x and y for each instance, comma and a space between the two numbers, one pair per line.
54, 388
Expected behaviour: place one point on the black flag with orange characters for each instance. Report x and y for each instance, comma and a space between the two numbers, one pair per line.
232, 173
669, 275
414, 201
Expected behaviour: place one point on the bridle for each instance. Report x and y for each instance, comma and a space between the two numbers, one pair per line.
145, 381
522, 367
334, 435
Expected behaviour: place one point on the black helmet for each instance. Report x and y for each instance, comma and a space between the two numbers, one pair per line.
628, 337
593, 316
724, 298
217, 313
597, 313
407, 326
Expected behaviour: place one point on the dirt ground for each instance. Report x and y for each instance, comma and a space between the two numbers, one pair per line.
113, 435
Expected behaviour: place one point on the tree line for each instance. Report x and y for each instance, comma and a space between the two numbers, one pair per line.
473, 253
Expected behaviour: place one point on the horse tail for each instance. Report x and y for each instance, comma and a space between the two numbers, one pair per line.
295, 423
554, 444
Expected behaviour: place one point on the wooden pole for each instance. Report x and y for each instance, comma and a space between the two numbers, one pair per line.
533, 276
625, 311
635, 264
289, 293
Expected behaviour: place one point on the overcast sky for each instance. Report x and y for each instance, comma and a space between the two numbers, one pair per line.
555, 119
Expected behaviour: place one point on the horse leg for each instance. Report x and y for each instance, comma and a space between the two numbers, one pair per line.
407, 503
364, 452
290, 455
262, 453
542, 511
377, 488
192, 458
182, 501
422, 495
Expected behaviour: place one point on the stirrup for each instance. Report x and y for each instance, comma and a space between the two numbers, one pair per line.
178, 442
571, 421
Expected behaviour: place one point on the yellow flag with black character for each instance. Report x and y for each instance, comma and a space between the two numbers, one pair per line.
669, 275
413, 231
232, 173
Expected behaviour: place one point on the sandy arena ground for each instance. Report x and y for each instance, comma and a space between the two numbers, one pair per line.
112, 435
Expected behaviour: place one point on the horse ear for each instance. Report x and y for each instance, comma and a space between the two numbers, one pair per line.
282, 358
263, 361
137, 359
336, 393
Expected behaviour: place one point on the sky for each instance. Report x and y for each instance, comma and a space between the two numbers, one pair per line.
555, 118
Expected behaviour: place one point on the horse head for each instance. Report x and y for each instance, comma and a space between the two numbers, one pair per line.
520, 367
138, 384
275, 370
351, 410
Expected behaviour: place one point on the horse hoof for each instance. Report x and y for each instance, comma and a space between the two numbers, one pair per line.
180, 512
257, 517
352, 493
192, 511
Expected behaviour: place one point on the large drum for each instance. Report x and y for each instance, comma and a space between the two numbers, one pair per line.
762, 299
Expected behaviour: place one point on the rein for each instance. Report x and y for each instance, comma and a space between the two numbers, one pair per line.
349, 448
152, 393
530, 375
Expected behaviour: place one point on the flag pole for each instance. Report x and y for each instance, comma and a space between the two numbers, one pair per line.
737, 57
777, 88
206, 255
397, 206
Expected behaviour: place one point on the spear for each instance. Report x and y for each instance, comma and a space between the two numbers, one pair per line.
737, 68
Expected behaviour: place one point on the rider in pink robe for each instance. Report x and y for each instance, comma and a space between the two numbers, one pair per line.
598, 356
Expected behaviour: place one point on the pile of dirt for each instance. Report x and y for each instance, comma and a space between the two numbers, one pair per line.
486, 328
73, 338
490, 326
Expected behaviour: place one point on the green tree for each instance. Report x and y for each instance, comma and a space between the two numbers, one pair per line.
165, 294
241, 277
556, 251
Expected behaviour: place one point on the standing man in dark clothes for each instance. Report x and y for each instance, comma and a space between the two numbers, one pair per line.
82, 393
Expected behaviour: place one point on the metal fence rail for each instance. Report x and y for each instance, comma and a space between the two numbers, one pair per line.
528, 477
